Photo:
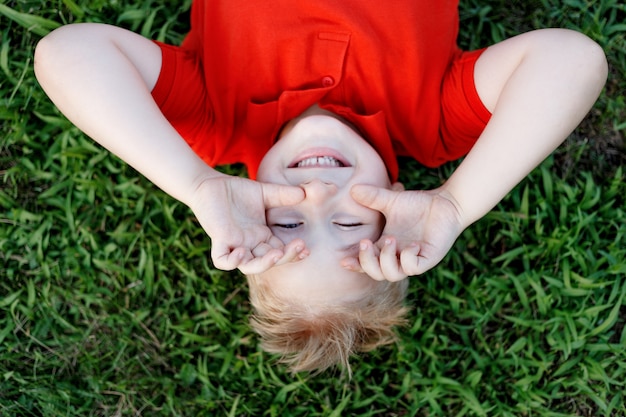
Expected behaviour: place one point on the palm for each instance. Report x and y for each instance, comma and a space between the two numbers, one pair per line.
425, 218
232, 212
243, 217
421, 226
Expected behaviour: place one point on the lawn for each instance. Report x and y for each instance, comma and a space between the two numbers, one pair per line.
109, 305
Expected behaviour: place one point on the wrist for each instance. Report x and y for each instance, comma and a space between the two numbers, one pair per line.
197, 188
463, 218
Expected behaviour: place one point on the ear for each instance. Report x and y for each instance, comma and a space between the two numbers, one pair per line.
397, 186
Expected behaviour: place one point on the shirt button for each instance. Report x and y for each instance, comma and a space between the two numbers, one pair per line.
328, 81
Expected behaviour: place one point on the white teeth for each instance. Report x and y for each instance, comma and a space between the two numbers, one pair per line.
319, 161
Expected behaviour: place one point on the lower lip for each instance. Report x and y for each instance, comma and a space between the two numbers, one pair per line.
319, 152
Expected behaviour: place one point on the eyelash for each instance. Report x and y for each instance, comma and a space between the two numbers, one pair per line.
288, 225
349, 224
295, 225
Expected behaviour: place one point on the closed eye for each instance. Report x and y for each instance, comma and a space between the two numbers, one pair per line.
288, 225
349, 225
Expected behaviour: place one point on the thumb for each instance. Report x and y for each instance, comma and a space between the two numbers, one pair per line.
373, 197
275, 195
425, 263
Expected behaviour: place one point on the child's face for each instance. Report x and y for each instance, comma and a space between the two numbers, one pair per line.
326, 158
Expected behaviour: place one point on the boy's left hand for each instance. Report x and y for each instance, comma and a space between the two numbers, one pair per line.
232, 212
420, 229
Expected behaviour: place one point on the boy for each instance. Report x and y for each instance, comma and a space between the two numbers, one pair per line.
317, 99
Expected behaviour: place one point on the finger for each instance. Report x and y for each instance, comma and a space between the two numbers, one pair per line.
275, 242
275, 195
227, 259
260, 264
426, 264
261, 249
389, 262
351, 264
294, 251
368, 258
411, 262
373, 197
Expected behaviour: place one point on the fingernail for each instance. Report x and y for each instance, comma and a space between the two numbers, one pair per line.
363, 246
387, 241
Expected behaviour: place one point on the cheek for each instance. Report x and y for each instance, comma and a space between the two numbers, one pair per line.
375, 221
281, 235
368, 215
263, 173
380, 225
378, 222
377, 171
270, 166
268, 171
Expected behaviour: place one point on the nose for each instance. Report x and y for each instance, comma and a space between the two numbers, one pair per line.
317, 191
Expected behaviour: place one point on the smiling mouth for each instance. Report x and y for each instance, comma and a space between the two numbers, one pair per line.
322, 157
323, 161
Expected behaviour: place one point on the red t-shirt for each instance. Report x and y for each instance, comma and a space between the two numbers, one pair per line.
393, 70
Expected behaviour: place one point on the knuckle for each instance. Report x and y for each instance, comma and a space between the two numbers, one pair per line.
224, 266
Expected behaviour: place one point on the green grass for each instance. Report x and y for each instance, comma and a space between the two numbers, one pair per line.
109, 305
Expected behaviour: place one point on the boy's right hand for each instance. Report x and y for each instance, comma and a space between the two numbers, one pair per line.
232, 212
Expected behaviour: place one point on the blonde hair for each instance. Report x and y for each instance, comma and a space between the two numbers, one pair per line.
314, 339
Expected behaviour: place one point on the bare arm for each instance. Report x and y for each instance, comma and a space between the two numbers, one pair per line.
101, 78
539, 86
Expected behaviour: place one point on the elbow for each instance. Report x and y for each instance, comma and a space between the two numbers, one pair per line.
55, 53
573, 55
599, 58
599, 64
580, 60
42, 52
592, 64
47, 58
